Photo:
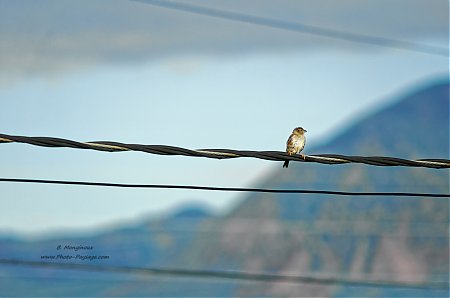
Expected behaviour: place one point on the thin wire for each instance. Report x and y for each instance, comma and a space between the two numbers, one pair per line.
234, 189
235, 275
299, 27
330, 159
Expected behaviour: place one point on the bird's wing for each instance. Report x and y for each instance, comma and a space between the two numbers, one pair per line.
291, 146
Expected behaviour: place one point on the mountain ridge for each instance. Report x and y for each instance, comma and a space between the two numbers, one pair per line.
396, 238
438, 90
415, 126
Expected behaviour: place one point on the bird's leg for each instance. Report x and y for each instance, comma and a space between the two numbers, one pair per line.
303, 156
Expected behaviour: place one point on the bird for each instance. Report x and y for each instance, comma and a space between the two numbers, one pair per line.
295, 143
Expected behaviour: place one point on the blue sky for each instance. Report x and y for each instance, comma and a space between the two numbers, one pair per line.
217, 85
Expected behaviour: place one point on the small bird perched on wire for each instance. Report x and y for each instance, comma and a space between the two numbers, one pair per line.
295, 143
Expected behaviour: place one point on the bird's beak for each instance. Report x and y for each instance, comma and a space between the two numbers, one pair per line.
305, 130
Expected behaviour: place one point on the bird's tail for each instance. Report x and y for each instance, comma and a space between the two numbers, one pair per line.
286, 164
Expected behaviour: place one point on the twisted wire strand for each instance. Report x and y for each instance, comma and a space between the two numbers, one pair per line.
330, 159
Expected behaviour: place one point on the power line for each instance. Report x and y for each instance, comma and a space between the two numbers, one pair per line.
330, 159
234, 189
231, 274
299, 27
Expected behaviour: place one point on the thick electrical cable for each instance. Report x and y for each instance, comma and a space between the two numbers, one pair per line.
329, 159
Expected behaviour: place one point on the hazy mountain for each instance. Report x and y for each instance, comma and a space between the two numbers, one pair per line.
388, 238
153, 242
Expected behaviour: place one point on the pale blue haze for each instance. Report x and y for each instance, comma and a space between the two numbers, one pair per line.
193, 99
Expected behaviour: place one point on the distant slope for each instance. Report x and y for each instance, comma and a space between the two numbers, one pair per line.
390, 238
424, 113
364, 237
151, 243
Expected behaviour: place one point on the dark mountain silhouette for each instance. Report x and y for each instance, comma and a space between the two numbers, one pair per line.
388, 238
